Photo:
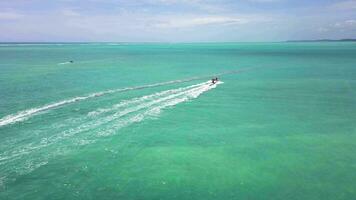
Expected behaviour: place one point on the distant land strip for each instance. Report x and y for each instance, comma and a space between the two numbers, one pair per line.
324, 40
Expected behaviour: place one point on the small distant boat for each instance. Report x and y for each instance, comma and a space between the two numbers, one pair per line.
66, 63
214, 80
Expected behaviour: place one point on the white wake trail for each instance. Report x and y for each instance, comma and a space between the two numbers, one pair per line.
140, 99
23, 115
121, 113
30, 156
155, 110
153, 99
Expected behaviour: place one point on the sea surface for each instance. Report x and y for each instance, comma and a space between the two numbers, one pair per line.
141, 121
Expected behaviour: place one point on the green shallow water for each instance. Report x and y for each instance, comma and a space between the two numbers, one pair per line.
283, 130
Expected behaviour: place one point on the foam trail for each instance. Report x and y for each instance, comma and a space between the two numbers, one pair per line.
88, 126
25, 114
161, 104
26, 158
64, 63
122, 113
142, 99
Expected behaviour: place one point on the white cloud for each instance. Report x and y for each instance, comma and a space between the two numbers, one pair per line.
174, 1
265, 1
9, 15
323, 29
351, 22
69, 13
346, 24
207, 5
185, 22
345, 5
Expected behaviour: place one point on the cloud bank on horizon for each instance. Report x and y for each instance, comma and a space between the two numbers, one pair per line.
175, 20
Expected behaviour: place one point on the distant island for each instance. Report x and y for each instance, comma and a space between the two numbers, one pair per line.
324, 40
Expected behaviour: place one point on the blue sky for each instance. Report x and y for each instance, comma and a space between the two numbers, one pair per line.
175, 20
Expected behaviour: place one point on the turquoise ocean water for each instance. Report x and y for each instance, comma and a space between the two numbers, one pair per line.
283, 129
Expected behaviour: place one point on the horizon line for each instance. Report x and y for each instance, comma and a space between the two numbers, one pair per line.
166, 42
